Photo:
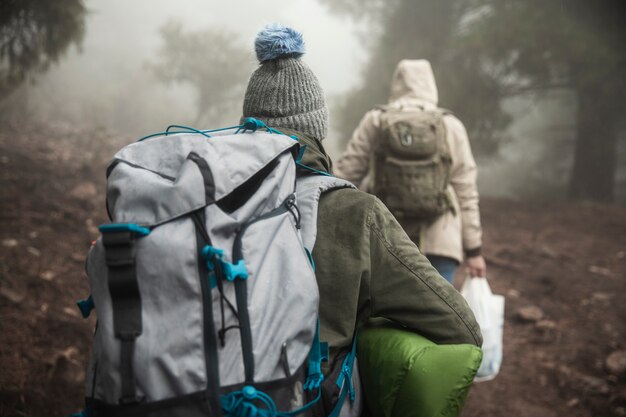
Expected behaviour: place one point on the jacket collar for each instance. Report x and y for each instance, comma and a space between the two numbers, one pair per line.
315, 155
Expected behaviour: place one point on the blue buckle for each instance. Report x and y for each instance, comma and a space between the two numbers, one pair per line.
230, 271
233, 271
124, 227
313, 381
85, 306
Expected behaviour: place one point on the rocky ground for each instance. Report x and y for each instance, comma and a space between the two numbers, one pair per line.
562, 268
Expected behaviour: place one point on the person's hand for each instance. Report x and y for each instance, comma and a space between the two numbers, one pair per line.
476, 266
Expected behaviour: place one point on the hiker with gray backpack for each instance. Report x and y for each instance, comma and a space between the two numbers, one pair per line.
416, 158
237, 270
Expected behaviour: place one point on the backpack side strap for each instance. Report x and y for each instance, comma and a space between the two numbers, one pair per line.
119, 245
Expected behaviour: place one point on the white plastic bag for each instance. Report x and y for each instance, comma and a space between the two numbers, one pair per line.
489, 311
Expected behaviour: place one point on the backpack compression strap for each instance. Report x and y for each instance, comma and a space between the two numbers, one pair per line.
119, 245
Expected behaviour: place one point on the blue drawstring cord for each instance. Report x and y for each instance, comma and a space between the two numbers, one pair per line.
187, 129
241, 403
250, 124
244, 404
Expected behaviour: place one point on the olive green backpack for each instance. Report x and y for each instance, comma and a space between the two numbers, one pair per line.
412, 164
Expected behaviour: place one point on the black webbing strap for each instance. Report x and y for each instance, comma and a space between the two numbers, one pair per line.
126, 299
210, 341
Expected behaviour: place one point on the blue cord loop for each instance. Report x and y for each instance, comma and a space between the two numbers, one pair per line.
244, 403
250, 402
250, 124
185, 129
86, 306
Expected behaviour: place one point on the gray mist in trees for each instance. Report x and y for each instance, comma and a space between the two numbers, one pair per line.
33, 35
399, 29
214, 62
486, 50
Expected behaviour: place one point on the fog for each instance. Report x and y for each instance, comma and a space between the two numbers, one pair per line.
108, 82
541, 130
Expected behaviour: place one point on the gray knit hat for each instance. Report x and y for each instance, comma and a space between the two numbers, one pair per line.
283, 91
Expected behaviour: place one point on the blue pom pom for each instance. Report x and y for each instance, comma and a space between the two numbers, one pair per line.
277, 41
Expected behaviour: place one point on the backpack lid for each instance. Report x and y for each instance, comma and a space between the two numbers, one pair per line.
157, 180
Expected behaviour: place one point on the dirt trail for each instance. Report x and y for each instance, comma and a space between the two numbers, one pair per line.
568, 260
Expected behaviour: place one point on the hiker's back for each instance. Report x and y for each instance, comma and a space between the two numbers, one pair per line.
206, 296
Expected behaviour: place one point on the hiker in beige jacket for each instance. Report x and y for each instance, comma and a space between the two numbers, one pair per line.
456, 233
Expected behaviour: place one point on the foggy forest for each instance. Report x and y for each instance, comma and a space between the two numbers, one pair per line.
540, 87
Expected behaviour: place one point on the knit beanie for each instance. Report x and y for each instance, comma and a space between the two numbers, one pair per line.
283, 91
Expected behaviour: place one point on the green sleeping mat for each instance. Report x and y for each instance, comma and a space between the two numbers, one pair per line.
406, 375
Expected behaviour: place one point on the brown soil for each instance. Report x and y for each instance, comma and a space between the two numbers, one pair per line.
569, 260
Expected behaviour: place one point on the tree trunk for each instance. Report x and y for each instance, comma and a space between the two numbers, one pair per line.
593, 173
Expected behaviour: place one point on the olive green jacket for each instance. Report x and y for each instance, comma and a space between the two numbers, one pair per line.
366, 267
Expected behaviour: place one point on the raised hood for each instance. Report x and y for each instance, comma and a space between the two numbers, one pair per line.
414, 81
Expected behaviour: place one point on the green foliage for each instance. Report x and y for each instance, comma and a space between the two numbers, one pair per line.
212, 61
34, 34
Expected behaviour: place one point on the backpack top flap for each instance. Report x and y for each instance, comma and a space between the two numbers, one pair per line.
160, 179
413, 134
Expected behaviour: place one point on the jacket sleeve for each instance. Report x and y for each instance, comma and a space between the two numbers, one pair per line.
463, 181
405, 288
354, 163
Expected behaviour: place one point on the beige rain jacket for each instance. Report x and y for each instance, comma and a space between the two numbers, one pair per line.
413, 87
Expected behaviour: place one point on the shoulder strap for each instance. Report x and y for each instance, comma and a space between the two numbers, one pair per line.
309, 189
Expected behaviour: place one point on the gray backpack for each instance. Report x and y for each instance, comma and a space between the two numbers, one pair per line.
412, 164
205, 293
